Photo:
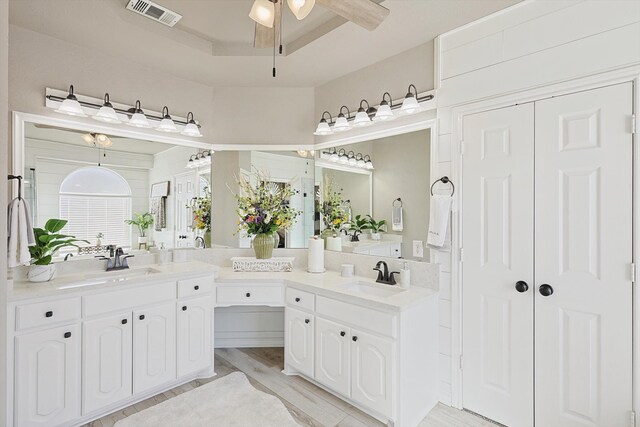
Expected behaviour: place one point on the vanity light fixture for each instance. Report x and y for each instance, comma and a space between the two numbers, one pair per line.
138, 119
106, 113
200, 159
360, 160
362, 117
368, 164
301, 8
342, 156
323, 126
167, 124
71, 106
263, 12
351, 158
191, 129
333, 155
384, 109
410, 104
342, 122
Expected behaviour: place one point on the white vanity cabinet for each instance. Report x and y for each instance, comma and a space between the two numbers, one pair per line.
194, 335
333, 355
47, 364
299, 340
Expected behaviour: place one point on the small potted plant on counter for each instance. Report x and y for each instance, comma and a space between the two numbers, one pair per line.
376, 227
143, 223
48, 242
357, 226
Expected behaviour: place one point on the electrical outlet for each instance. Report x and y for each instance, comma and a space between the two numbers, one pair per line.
418, 248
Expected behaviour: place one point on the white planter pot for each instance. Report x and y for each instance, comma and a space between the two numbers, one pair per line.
142, 239
375, 236
42, 273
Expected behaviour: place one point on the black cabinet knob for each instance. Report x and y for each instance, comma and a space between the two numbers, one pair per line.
307, 321
248, 294
196, 287
522, 286
141, 317
297, 299
342, 333
184, 308
545, 290
48, 314
67, 334
124, 321
354, 338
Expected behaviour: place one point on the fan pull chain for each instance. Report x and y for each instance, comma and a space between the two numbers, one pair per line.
274, 51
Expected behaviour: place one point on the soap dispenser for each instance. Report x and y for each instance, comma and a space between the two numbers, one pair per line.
405, 276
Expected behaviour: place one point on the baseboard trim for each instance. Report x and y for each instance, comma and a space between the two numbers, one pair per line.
249, 342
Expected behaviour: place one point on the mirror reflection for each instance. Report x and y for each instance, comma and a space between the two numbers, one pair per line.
378, 191
117, 191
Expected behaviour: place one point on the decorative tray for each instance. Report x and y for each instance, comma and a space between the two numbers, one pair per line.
275, 264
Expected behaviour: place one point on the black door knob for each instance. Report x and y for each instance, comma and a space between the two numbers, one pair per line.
545, 290
141, 317
48, 314
354, 338
124, 321
196, 287
248, 294
342, 333
297, 299
67, 334
522, 286
184, 308
307, 320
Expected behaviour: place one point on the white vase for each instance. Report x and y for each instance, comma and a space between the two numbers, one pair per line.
375, 236
41, 273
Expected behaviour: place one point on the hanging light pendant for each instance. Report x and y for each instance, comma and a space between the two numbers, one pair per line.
301, 8
71, 106
323, 127
342, 122
106, 113
362, 118
138, 119
191, 129
410, 104
263, 12
167, 124
384, 109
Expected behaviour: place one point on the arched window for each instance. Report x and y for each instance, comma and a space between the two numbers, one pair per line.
96, 200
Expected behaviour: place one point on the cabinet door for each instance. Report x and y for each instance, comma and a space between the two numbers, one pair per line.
194, 335
154, 346
47, 390
333, 356
298, 340
106, 361
372, 360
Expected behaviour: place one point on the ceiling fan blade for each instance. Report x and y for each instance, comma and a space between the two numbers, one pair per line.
264, 36
365, 13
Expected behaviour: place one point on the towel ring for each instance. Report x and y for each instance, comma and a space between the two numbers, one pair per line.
397, 200
19, 178
444, 180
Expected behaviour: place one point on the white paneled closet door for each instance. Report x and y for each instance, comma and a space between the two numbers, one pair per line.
497, 222
583, 292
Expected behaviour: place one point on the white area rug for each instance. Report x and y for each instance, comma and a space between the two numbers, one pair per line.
229, 401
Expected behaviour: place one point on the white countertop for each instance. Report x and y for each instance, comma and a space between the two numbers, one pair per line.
329, 283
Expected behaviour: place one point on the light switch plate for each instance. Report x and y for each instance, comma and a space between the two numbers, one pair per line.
418, 248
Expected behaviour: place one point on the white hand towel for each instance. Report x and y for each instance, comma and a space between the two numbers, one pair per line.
20, 234
396, 219
439, 222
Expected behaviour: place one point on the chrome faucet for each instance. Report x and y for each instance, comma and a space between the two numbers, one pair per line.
118, 262
383, 275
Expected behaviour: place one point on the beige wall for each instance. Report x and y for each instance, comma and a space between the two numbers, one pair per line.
224, 167
392, 75
228, 115
4, 154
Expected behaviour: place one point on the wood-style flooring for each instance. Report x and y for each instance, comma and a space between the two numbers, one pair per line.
309, 405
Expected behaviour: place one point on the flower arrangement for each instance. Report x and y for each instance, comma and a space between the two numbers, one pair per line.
201, 207
264, 208
333, 211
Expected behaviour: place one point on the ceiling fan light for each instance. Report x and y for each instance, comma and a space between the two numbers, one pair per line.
70, 106
263, 12
301, 8
88, 138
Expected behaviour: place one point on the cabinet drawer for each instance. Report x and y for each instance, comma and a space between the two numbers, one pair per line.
47, 313
194, 287
301, 299
363, 317
128, 299
250, 295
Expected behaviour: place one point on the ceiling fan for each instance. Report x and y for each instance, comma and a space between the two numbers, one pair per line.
268, 16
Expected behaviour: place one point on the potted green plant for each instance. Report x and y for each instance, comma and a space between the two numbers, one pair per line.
357, 226
376, 227
48, 241
142, 222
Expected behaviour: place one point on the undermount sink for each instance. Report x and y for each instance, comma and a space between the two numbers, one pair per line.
382, 291
123, 274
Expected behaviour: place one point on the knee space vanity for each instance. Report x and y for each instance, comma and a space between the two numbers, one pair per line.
86, 347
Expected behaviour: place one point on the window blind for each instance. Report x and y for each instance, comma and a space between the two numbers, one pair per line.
89, 215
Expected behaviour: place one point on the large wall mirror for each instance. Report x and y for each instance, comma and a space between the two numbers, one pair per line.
99, 182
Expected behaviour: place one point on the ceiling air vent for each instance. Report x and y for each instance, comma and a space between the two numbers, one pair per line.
154, 11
